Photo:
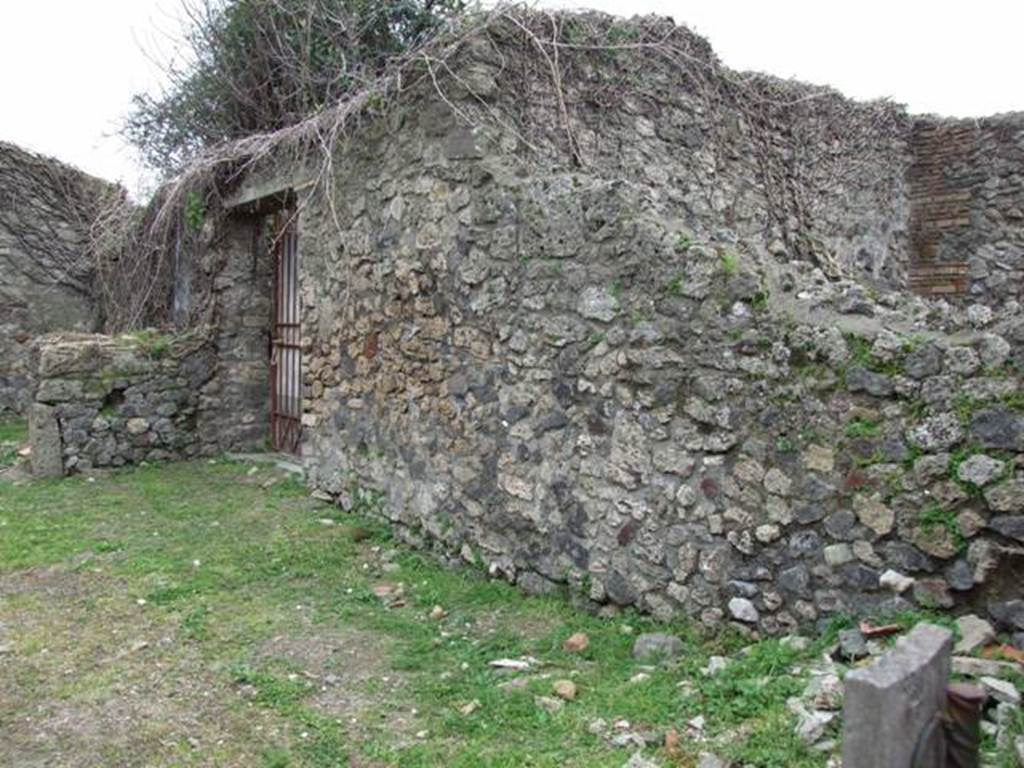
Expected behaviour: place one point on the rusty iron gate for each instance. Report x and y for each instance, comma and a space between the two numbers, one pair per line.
286, 347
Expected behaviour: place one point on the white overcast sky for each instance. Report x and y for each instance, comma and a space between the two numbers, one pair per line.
68, 68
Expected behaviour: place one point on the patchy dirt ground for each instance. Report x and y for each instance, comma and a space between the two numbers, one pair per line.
91, 678
126, 652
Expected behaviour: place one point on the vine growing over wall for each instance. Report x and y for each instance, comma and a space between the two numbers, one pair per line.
572, 66
46, 212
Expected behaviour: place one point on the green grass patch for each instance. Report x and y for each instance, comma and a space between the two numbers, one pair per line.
13, 434
936, 516
221, 575
13, 430
965, 406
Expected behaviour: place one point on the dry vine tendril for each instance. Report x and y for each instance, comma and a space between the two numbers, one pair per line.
572, 65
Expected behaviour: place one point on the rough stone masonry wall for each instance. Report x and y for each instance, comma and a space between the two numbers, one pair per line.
967, 197
46, 209
797, 170
589, 378
235, 402
107, 402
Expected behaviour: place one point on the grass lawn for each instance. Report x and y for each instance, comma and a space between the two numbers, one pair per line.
213, 614
13, 433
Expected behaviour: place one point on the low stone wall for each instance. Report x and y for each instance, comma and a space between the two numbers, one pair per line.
106, 402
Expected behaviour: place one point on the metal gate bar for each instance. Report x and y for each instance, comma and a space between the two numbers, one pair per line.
286, 346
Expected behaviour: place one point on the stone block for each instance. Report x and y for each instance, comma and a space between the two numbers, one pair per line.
888, 706
44, 437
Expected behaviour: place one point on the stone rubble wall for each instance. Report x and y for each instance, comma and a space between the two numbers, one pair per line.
105, 401
235, 403
108, 402
46, 209
967, 199
604, 380
796, 170
640, 423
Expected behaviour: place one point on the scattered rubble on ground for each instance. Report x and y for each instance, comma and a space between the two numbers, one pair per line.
577, 643
653, 646
816, 711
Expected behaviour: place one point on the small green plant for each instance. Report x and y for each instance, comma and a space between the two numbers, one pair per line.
957, 458
616, 291
876, 457
195, 211
368, 501
152, 344
574, 32
730, 263
861, 355
372, 452
375, 102
893, 485
810, 435
675, 287
12, 434
760, 300
812, 371
860, 350
965, 405
194, 625
621, 33
918, 409
913, 454
275, 757
271, 690
8, 455
961, 455
914, 342
784, 445
862, 428
593, 340
1014, 401
936, 516
684, 243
